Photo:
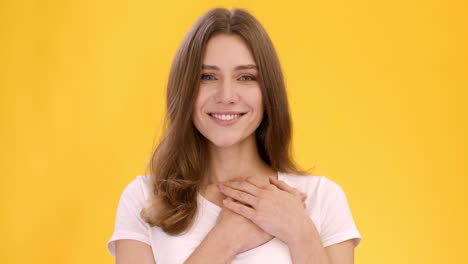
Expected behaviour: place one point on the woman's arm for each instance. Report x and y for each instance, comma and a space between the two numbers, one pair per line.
341, 253
295, 228
214, 249
129, 251
308, 249
232, 234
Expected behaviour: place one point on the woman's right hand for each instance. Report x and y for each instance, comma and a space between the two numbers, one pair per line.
242, 232
231, 235
246, 234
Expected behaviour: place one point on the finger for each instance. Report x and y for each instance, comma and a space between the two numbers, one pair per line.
303, 199
240, 196
258, 182
244, 186
239, 208
283, 186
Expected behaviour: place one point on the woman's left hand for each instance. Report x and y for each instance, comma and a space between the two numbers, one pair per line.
277, 208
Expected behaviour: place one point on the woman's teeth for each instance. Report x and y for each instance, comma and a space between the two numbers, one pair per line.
226, 117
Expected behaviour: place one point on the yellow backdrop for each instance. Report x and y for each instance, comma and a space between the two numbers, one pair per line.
378, 93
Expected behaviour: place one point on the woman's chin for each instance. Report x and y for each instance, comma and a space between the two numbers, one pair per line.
223, 143
229, 140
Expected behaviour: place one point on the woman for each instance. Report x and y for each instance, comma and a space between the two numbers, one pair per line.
222, 187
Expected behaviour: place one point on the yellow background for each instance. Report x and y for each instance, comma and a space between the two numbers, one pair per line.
378, 93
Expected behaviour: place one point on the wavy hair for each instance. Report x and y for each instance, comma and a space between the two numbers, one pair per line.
179, 161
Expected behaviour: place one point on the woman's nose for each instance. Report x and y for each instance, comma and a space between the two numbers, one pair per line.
227, 92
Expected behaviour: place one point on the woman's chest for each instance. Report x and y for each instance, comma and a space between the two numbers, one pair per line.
176, 249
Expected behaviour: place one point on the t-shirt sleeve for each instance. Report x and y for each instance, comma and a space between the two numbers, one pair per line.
337, 223
128, 222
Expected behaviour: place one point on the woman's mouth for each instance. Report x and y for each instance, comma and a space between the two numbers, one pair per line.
227, 118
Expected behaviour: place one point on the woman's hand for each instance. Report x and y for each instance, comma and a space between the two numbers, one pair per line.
276, 208
241, 231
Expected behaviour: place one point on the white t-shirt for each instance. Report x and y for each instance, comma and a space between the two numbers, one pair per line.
326, 205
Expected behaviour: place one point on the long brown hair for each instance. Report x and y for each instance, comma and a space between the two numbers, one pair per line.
179, 162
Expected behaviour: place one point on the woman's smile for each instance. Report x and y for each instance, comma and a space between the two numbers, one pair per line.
226, 118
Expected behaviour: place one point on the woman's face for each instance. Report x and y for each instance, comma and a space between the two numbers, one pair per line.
228, 107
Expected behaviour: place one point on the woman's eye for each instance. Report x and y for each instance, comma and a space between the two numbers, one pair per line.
247, 78
207, 77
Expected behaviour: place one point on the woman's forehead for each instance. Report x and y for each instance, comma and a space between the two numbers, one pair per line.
227, 51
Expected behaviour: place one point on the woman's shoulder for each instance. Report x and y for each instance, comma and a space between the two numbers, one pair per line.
138, 189
308, 183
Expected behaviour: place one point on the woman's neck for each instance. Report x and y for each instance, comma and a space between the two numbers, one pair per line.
236, 162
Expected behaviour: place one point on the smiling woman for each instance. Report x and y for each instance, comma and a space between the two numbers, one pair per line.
229, 106
222, 186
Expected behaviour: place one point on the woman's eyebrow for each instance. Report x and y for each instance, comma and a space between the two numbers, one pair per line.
210, 67
246, 67
240, 67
